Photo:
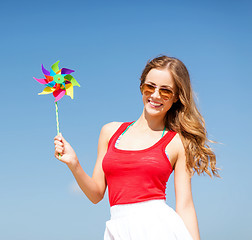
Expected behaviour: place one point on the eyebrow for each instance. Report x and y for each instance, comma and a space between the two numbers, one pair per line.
166, 86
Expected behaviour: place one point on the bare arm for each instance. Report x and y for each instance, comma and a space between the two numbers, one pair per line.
94, 187
183, 192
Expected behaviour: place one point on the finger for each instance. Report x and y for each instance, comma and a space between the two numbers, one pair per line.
58, 143
58, 156
57, 138
58, 146
63, 139
59, 150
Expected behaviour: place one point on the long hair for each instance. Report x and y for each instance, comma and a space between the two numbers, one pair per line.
184, 117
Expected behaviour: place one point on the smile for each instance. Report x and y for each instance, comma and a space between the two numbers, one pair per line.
155, 104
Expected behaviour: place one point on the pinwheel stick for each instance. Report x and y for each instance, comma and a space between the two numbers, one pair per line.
57, 119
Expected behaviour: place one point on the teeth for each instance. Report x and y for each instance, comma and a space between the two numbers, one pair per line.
155, 104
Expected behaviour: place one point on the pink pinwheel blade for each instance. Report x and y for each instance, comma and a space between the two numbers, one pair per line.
42, 81
58, 94
45, 71
66, 71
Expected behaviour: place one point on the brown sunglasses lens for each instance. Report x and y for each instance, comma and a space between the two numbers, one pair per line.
165, 93
147, 89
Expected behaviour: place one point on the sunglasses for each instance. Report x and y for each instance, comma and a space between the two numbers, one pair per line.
149, 89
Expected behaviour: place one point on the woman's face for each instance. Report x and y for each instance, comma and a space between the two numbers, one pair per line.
156, 103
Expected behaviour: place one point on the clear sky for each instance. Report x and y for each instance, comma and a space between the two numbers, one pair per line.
108, 44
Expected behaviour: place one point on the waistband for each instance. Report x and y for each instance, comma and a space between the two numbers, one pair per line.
122, 210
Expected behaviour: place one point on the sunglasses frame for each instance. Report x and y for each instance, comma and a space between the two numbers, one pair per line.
159, 90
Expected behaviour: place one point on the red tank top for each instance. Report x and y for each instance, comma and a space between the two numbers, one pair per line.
136, 175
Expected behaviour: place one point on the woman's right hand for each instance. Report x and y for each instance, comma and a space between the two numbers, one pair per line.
64, 152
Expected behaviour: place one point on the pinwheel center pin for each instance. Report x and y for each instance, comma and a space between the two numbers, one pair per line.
58, 78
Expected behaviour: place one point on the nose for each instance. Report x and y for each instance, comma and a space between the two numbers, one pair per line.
156, 93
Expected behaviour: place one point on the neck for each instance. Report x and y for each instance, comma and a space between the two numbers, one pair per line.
155, 123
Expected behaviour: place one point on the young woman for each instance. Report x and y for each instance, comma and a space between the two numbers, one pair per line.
135, 159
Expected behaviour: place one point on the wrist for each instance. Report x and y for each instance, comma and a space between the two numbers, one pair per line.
73, 165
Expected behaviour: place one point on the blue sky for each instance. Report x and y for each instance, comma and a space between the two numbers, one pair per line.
108, 44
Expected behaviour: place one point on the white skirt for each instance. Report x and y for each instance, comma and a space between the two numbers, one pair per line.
150, 220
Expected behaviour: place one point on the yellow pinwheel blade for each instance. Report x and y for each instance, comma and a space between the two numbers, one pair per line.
69, 90
55, 67
47, 90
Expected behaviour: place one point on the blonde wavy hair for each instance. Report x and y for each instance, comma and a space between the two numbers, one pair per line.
184, 117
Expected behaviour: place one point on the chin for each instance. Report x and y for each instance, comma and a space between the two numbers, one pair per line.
155, 112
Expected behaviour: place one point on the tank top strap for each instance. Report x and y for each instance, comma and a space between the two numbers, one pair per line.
166, 139
118, 132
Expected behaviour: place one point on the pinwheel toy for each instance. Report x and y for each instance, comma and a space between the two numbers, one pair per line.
59, 82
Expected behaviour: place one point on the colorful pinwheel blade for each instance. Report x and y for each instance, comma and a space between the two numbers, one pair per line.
69, 90
58, 87
42, 80
47, 90
51, 84
55, 67
52, 73
66, 71
49, 78
58, 94
72, 80
46, 72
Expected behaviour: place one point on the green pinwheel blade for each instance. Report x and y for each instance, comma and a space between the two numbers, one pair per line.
55, 67
72, 80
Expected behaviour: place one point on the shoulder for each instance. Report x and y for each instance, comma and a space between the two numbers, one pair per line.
109, 129
177, 143
180, 148
180, 162
175, 149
